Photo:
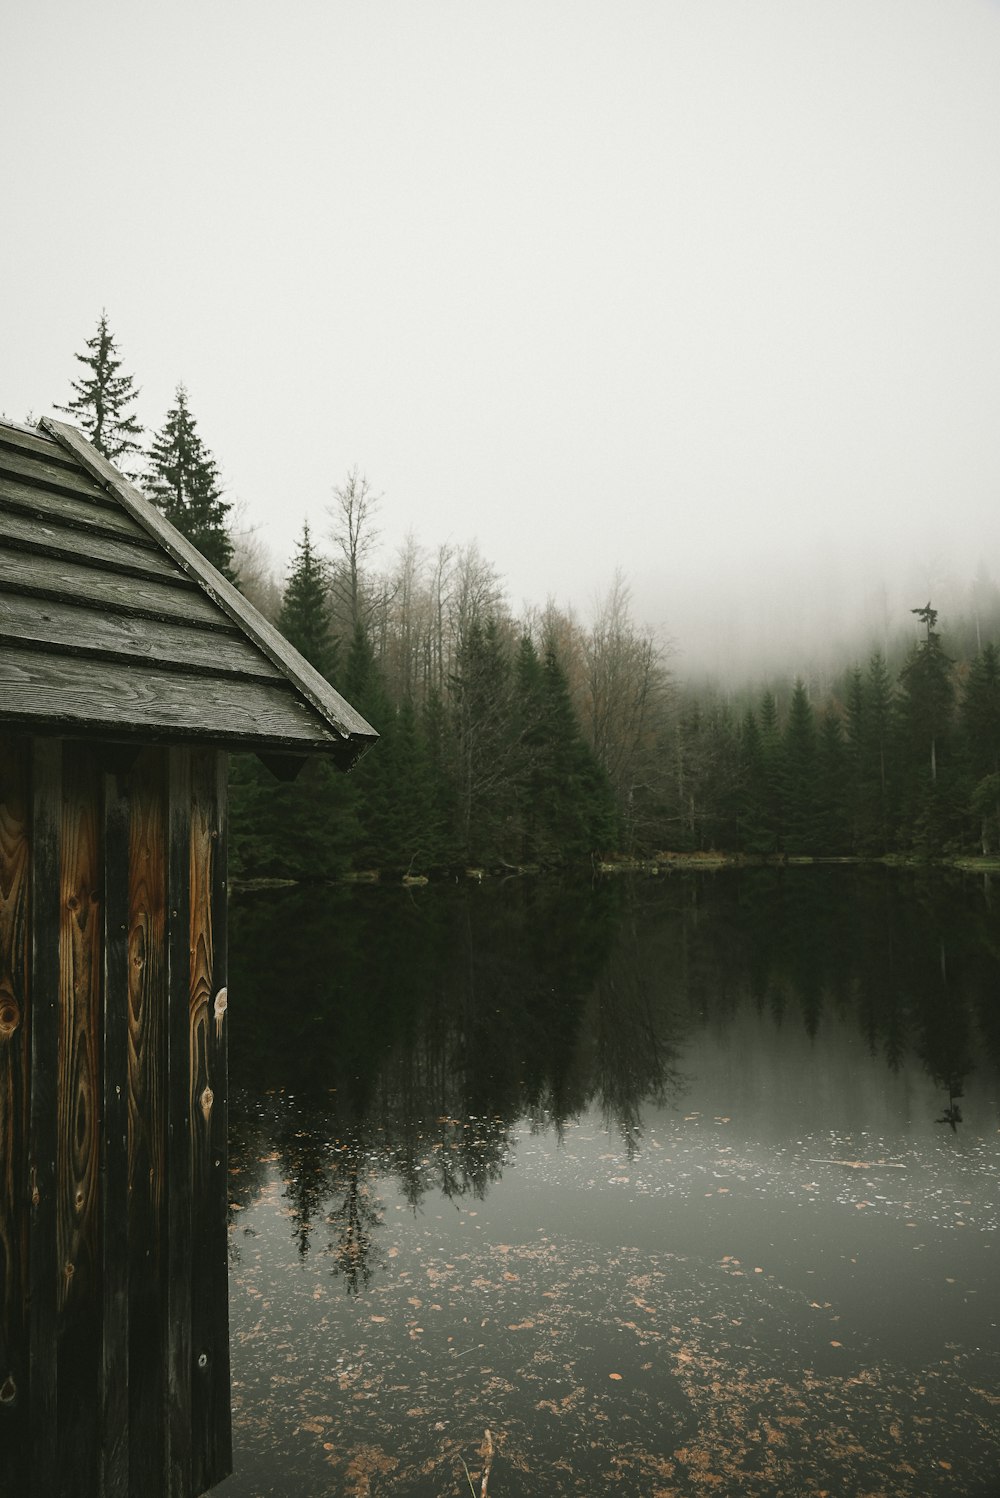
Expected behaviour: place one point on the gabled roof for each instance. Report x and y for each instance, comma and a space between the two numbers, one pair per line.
113, 625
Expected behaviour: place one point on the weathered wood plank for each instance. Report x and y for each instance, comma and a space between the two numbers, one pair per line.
48, 538
350, 729
114, 1409
177, 1415
147, 1042
51, 577
92, 696
30, 468
24, 440
78, 1111
151, 642
43, 1270
207, 1013
27, 499
15, 875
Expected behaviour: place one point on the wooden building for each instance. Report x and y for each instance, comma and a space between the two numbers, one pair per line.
128, 669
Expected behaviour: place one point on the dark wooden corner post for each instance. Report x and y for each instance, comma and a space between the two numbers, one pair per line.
114, 1350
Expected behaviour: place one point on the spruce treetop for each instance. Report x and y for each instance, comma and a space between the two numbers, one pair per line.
306, 617
184, 480
102, 399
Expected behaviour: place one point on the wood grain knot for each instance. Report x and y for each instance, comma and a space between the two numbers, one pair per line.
8, 1390
207, 1099
10, 1015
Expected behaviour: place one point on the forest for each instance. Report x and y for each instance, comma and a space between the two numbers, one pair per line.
536, 740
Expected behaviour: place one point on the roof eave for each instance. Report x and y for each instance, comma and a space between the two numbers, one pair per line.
353, 733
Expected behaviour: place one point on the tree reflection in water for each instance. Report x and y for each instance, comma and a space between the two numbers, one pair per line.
389, 1034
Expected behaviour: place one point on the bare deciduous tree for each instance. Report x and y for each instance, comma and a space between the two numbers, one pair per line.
627, 706
354, 535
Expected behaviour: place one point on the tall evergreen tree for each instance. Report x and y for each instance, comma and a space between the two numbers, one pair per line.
576, 799
184, 481
980, 722
103, 400
756, 832
372, 779
487, 753
306, 615
926, 707
928, 691
798, 774
870, 734
831, 820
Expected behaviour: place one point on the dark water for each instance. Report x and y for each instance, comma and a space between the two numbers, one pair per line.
679, 1186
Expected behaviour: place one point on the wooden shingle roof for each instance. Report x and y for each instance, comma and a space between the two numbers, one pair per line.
113, 625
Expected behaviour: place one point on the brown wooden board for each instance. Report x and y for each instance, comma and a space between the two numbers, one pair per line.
114, 1403
43, 1270
177, 1414
72, 629
78, 1143
100, 520
61, 580
40, 470
92, 696
147, 1130
15, 876
211, 1437
20, 534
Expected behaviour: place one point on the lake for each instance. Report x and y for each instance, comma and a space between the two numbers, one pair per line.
670, 1186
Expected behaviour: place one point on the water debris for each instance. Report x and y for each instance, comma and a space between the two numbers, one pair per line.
861, 1164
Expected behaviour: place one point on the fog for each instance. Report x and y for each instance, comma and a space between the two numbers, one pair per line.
702, 290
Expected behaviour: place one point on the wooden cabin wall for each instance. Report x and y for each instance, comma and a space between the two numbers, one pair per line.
15, 950
113, 1171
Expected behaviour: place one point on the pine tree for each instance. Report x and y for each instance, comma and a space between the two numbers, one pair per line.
576, 797
926, 707
798, 774
527, 725
304, 829
372, 780
102, 401
306, 615
184, 481
831, 821
756, 834
870, 720
980, 721
487, 754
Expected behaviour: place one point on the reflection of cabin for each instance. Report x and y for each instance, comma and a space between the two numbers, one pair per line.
128, 667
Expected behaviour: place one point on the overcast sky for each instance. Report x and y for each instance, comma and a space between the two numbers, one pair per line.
707, 290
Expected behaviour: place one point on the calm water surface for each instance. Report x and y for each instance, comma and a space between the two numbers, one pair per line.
678, 1186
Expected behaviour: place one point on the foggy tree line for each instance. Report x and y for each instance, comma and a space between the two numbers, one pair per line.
539, 740
544, 741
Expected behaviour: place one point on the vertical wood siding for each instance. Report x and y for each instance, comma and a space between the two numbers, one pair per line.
147, 1132
211, 1440
15, 874
78, 1113
114, 1354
